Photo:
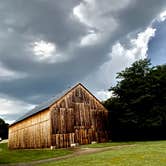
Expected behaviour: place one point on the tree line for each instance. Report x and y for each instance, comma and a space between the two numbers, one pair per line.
3, 129
138, 105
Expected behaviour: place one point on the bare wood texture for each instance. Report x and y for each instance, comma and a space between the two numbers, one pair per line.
33, 132
81, 115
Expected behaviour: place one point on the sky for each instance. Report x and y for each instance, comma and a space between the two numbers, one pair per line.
47, 46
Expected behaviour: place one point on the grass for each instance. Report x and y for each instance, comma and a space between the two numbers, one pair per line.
16, 156
107, 144
142, 154
151, 153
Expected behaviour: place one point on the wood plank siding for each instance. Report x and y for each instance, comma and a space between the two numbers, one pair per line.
33, 132
76, 117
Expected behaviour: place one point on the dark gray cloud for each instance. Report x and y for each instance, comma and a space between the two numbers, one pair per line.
104, 23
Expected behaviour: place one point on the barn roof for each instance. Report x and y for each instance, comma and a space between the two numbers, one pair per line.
48, 103
44, 105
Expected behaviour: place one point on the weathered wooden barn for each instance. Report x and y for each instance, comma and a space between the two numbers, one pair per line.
75, 116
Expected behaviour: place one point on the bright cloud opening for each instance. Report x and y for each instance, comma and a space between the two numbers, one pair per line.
163, 16
44, 50
103, 95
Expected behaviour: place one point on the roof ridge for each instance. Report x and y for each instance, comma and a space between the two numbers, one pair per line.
45, 104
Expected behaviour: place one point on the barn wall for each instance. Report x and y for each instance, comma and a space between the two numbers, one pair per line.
33, 132
78, 118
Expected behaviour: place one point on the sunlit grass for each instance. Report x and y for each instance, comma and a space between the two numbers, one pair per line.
15, 156
141, 154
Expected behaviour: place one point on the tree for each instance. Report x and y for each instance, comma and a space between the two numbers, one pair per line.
138, 108
3, 129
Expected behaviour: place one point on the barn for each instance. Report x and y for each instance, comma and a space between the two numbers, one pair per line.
74, 116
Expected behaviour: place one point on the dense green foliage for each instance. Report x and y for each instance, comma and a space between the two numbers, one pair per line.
17, 156
3, 129
140, 154
138, 108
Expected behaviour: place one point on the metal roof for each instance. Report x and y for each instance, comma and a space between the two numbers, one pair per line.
43, 105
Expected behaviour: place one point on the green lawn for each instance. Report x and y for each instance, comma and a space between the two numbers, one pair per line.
141, 154
107, 144
151, 153
15, 156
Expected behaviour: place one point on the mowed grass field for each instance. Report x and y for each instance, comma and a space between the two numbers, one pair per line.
151, 153
140, 154
16, 156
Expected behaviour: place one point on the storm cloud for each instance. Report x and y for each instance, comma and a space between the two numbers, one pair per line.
47, 46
